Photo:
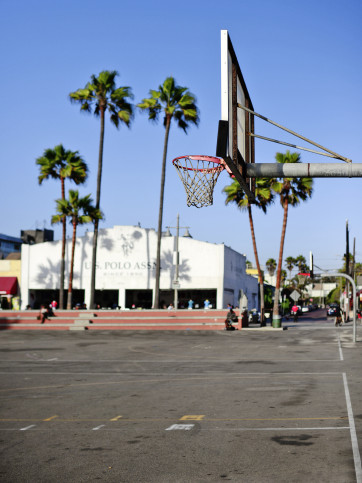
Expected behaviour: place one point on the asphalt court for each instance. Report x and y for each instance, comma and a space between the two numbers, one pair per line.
185, 406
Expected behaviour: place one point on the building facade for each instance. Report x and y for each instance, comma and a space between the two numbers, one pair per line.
125, 275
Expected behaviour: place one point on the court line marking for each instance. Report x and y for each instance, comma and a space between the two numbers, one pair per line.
43, 362
279, 429
202, 378
205, 419
340, 349
51, 418
242, 429
27, 427
354, 440
98, 427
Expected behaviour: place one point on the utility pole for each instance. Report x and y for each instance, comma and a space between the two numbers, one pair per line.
346, 304
354, 259
176, 281
177, 262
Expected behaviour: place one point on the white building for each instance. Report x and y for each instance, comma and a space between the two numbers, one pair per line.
320, 291
125, 274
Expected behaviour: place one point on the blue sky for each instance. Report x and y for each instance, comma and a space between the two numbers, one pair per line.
302, 65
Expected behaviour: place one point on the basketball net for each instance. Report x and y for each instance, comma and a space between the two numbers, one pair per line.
198, 175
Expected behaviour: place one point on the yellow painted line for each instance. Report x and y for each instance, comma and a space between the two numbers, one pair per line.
183, 418
50, 419
192, 417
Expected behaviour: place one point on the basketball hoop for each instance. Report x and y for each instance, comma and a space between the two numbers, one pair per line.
199, 175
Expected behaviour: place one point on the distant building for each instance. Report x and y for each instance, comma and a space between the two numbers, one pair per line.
10, 264
36, 236
9, 244
320, 291
125, 275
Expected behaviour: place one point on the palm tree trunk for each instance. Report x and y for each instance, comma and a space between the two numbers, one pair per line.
280, 261
260, 275
96, 222
70, 287
156, 303
62, 260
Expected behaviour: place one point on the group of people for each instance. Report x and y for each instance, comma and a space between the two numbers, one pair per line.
190, 305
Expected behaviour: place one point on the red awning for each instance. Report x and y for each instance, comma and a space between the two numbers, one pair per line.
8, 285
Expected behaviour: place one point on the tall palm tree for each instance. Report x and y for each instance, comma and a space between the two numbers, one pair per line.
174, 102
98, 96
264, 197
80, 211
60, 163
290, 263
291, 192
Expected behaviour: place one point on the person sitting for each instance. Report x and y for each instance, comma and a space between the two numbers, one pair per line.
230, 318
43, 314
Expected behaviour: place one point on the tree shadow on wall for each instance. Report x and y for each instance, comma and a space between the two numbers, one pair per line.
167, 264
49, 274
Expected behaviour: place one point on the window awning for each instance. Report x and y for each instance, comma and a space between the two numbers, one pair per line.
8, 285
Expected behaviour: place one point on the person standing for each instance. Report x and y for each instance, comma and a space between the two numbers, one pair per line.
338, 318
190, 304
295, 313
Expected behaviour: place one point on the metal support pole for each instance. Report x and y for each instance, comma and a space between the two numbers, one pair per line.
295, 134
176, 262
333, 274
304, 170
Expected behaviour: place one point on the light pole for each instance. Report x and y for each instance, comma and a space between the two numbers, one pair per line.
176, 281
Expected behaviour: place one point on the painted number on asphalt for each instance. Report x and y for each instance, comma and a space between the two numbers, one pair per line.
184, 427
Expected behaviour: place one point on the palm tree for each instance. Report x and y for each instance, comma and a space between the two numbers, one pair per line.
291, 192
80, 211
175, 102
98, 96
271, 265
59, 163
301, 263
264, 197
290, 263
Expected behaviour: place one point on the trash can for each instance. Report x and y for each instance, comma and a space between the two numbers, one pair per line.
244, 319
277, 322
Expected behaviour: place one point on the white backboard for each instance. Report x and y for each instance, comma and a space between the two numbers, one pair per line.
239, 121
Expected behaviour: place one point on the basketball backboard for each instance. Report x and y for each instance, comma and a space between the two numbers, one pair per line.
234, 145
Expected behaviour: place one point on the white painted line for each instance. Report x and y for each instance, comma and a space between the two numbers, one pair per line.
321, 428
209, 373
184, 427
340, 349
28, 427
98, 427
354, 440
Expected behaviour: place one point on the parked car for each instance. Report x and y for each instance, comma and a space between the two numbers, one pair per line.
254, 317
305, 309
332, 310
